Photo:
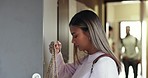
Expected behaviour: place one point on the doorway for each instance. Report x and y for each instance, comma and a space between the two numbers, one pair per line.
125, 12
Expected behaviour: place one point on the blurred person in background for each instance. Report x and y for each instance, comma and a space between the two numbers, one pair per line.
110, 39
130, 56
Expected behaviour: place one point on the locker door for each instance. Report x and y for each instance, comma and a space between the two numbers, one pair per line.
21, 53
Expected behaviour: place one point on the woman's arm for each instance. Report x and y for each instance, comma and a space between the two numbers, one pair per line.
65, 70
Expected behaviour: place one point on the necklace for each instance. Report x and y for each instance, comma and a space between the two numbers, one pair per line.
52, 67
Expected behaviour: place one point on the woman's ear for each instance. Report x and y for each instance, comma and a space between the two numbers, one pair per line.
88, 35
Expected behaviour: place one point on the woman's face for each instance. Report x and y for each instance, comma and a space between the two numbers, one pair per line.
80, 38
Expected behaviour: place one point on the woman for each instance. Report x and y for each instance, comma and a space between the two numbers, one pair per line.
88, 36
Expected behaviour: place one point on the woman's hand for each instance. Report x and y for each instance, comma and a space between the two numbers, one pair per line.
58, 46
55, 46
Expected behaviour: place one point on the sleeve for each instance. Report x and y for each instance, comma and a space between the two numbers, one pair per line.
65, 70
105, 68
120, 46
139, 55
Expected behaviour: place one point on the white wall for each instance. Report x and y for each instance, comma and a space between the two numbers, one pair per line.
49, 28
110, 13
72, 11
144, 47
127, 12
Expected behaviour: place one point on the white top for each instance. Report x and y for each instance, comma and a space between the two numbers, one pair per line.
130, 43
104, 68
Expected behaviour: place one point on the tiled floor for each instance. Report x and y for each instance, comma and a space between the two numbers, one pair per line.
131, 75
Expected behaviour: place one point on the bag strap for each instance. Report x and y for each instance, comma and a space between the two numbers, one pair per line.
95, 61
100, 57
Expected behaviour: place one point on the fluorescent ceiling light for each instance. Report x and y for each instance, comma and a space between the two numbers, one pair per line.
129, 2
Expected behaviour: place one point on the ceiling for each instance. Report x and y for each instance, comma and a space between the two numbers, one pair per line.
131, 2
92, 3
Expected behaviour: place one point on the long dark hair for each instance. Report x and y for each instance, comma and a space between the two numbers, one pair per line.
88, 21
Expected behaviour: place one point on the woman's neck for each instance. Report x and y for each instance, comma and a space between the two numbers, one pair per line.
92, 50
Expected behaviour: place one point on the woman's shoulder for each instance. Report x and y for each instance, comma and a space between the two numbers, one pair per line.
107, 67
106, 62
